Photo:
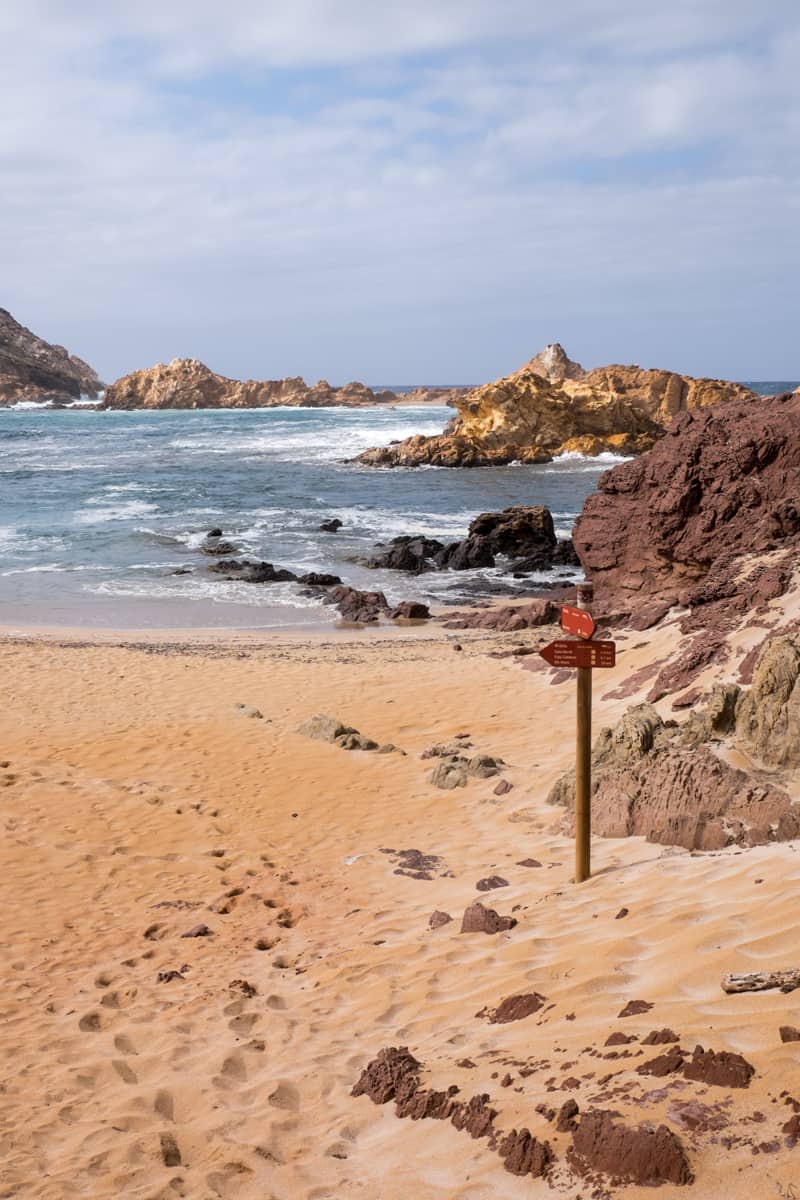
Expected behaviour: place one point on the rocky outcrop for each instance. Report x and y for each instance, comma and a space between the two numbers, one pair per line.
552, 406
664, 782
34, 370
709, 519
767, 715
187, 383
644, 1155
522, 534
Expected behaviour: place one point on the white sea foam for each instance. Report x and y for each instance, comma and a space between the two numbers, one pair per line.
607, 458
192, 587
103, 513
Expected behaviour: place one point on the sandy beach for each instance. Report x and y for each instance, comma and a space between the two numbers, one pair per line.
140, 804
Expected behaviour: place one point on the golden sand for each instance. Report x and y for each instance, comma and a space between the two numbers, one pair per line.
137, 802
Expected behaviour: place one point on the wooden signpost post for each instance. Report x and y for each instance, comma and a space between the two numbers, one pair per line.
584, 655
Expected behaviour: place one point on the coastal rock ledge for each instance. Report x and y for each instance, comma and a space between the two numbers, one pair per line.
552, 406
189, 383
33, 370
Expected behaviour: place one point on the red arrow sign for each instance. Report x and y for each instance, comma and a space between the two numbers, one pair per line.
577, 621
580, 654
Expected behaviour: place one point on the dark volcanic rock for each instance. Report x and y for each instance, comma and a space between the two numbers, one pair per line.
319, 579
688, 519
643, 1155
247, 571
466, 555
408, 553
331, 526
360, 607
720, 1068
521, 530
514, 1008
525, 1155
478, 919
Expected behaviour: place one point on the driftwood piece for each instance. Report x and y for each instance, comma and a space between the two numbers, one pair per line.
761, 981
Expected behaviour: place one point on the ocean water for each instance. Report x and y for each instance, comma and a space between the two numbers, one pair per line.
98, 510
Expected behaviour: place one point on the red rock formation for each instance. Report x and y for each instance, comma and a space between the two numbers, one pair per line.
32, 369
187, 383
640, 1155
710, 518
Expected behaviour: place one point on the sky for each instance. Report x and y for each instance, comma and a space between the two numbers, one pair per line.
425, 192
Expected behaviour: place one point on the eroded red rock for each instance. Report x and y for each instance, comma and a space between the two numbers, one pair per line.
634, 1007
643, 1155
721, 1068
524, 1154
514, 1008
691, 519
394, 1068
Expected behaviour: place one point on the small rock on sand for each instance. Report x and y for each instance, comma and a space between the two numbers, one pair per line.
478, 919
438, 918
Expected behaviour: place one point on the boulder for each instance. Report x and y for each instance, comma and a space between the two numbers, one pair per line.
357, 606
325, 729
319, 579
247, 571
409, 610
331, 526
407, 553
478, 919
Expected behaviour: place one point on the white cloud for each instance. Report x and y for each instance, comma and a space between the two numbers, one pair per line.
479, 178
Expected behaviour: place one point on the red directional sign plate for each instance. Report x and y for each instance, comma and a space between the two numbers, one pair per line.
577, 621
580, 654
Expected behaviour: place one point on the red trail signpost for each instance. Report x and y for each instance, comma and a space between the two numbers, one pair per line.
584, 655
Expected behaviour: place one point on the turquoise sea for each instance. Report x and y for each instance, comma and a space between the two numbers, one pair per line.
98, 510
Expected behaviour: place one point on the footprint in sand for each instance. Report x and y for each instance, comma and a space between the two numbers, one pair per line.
90, 1023
228, 1182
243, 1024
233, 1071
164, 1105
124, 1045
124, 1071
285, 1096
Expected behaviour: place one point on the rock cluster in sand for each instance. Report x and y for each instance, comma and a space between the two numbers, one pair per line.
552, 406
32, 369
